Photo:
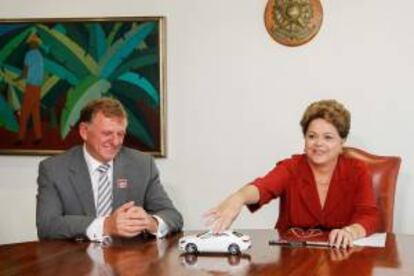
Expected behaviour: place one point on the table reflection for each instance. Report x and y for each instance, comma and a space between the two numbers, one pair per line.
126, 257
55, 261
216, 262
331, 261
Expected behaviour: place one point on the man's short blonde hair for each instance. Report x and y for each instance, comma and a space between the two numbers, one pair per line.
108, 106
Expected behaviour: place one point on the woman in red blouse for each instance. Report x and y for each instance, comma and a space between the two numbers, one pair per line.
318, 189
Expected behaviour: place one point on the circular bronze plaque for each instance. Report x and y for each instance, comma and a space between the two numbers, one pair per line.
293, 22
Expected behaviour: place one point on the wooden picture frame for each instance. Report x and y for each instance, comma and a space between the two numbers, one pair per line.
83, 59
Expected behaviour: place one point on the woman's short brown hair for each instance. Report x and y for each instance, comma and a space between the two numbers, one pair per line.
108, 106
332, 112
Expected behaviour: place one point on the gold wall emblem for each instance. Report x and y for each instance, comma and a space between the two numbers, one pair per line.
293, 22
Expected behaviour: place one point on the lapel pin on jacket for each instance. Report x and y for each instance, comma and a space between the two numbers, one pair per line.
122, 183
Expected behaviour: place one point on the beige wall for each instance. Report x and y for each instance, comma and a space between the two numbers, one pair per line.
235, 97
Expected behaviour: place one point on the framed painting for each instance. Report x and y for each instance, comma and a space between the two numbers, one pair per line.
50, 68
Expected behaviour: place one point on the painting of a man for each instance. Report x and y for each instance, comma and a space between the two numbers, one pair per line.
33, 74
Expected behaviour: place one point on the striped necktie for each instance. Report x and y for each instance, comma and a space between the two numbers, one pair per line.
104, 205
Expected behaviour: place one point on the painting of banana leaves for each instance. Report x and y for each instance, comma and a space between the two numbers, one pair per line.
50, 68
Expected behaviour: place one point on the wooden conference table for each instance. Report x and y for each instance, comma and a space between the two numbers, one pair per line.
152, 257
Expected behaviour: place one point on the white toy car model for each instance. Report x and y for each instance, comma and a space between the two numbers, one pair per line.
228, 241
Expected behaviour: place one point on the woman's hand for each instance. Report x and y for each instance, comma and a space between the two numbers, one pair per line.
222, 216
341, 238
344, 237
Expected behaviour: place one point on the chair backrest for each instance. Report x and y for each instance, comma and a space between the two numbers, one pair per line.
384, 170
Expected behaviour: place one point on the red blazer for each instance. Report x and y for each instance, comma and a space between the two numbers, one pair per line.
350, 197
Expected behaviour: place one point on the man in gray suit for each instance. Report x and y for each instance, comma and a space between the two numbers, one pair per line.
77, 198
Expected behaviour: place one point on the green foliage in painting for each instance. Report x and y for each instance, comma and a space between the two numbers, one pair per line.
85, 61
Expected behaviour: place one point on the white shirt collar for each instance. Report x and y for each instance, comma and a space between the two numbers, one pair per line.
91, 162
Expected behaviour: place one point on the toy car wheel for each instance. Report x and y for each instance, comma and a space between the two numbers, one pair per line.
191, 248
234, 249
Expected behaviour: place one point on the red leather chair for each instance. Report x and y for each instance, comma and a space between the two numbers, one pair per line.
384, 171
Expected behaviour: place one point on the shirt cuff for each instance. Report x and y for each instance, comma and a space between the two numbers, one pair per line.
95, 230
162, 230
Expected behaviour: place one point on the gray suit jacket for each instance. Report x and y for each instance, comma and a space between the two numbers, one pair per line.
65, 203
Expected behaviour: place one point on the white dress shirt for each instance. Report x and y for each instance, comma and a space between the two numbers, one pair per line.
95, 230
